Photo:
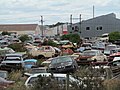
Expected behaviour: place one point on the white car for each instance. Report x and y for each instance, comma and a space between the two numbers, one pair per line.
60, 77
43, 52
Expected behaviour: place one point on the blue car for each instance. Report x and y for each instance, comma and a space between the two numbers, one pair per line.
28, 63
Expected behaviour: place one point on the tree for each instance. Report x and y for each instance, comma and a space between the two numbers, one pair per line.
18, 47
75, 38
114, 36
24, 38
50, 42
5, 33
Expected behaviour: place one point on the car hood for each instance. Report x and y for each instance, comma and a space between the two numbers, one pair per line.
86, 57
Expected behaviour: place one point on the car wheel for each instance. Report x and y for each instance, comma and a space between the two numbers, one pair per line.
104, 59
41, 57
95, 60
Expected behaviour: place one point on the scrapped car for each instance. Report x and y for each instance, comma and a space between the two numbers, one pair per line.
3, 74
5, 83
116, 58
13, 61
108, 49
4, 43
29, 63
37, 70
99, 46
62, 64
46, 63
43, 52
90, 56
115, 67
112, 56
66, 44
29, 46
61, 79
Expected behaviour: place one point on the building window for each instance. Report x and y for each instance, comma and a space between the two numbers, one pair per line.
72, 28
76, 28
99, 28
87, 28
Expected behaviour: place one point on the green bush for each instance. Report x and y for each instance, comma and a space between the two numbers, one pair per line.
5, 33
114, 36
24, 38
50, 42
75, 38
18, 47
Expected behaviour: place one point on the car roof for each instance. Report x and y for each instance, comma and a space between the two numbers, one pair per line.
16, 54
116, 59
91, 50
48, 74
31, 60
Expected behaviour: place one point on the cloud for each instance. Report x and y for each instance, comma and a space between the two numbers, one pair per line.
23, 11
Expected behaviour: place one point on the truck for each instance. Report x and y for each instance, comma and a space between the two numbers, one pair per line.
13, 61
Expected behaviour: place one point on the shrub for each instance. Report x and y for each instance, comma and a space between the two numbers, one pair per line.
18, 47
75, 38
24, 38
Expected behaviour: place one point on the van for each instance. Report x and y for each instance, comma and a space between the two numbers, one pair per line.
105, 37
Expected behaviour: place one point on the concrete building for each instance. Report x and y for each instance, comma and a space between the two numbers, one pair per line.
36, 29
96, 26
19, 28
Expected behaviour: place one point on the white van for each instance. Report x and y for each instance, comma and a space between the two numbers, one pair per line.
105, 37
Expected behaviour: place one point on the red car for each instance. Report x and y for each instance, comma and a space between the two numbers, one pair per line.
111, 57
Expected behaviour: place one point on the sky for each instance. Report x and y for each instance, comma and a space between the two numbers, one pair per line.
53, 11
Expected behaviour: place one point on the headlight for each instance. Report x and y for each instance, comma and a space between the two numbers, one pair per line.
89, 59
59, 67
3, 63
50, 66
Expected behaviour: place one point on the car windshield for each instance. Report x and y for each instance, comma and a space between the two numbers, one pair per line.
110, 47
3, 74
89, 53
12, 58
61, 59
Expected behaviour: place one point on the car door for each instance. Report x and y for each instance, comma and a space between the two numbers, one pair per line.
101, 56
115, 67
48, 51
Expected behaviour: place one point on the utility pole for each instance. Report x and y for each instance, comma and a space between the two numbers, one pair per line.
80, 22
78, 27
67, 81
42, 26
71, 20
93, 11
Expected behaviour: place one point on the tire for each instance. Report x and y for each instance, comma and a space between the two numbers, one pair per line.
41, 57
95, 60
